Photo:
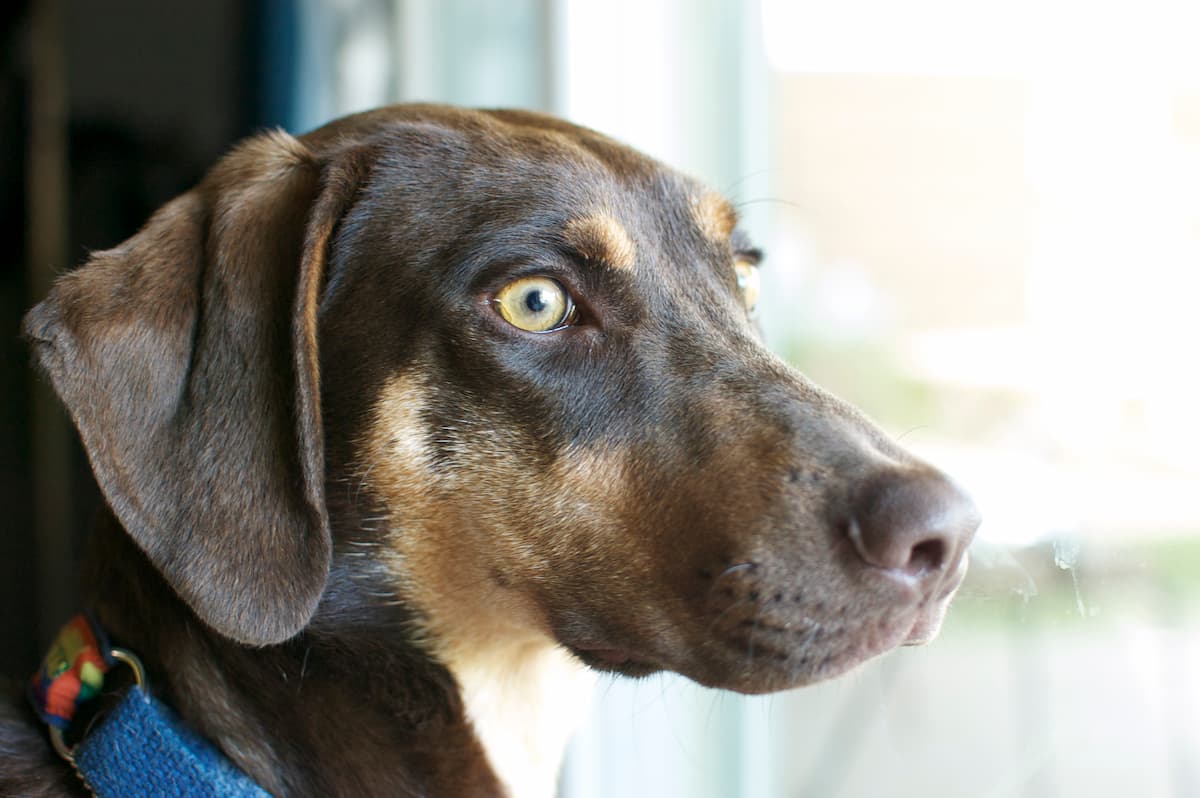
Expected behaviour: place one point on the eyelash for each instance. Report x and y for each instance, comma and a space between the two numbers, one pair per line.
753, 255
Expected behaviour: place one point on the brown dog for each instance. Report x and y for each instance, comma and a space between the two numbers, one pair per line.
401, 421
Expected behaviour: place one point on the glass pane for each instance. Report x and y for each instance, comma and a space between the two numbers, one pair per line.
982, 223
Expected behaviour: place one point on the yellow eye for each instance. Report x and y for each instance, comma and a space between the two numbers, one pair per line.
535, 304
747, 281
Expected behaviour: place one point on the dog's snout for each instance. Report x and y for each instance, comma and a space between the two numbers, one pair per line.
913, 524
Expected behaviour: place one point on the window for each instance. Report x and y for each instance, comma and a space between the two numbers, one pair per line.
983, 227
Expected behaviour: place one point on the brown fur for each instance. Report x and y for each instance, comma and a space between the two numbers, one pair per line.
714, 215
363, 531
601, 238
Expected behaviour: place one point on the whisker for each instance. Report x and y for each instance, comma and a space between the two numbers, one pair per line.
776, 200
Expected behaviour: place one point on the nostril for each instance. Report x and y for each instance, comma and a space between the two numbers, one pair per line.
928, 555
911, 522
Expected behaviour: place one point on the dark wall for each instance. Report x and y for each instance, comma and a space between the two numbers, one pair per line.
154, 92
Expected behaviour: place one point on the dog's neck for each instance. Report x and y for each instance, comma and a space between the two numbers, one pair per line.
351, 706
522, 693
524, 700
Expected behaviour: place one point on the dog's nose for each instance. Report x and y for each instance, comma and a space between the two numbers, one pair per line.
915, 524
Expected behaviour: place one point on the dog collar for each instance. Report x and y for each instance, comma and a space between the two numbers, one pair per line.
140, 747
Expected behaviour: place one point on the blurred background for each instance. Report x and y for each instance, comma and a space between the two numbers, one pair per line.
982, 222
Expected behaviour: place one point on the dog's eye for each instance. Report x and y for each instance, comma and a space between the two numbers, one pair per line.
747, 281
535, 304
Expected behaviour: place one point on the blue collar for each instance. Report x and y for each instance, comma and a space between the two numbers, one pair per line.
140, 748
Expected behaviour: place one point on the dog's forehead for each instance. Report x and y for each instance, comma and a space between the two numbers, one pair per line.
602, 196
620, 190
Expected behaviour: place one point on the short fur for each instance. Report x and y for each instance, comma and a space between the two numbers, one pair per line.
361, 527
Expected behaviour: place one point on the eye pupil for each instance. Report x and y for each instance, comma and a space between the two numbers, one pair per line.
535, 301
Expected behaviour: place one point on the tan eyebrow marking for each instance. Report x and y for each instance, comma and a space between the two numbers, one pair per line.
713, 215
600, 237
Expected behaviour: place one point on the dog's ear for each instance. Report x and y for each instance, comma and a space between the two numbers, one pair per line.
187, 359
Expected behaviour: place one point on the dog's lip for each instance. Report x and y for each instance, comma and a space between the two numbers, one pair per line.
607, 654
932, 613
601, 647
924, 630
916, 625
610, 655
606, 657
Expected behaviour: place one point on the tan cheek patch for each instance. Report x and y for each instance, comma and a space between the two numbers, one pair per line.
448, 532
601, 238
713, 215
601, 515
395, 466
473, 544
592, 481
470, 541
449, 527
395, 452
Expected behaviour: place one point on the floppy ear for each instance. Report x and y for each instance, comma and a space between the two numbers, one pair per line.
187, 359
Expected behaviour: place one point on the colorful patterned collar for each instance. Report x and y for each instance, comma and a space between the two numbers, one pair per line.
139, 747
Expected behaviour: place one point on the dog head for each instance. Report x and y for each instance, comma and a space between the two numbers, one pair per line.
517, 363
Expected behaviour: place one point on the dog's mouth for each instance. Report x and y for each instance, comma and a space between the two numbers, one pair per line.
613, 660
761, 644
764, 647
932, 613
